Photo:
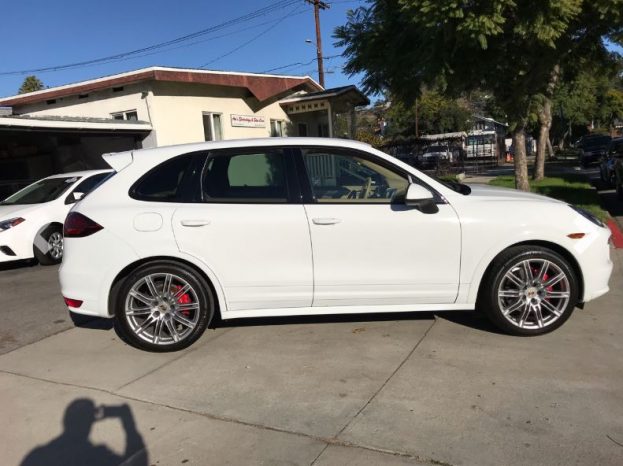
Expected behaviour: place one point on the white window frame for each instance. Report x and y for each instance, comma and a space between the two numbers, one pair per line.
212, 130
124, 114
282, 125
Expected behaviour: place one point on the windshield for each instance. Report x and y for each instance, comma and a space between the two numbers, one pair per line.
436, 149
596, 142
42, 191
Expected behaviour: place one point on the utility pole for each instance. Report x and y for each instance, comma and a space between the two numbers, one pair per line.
319, 5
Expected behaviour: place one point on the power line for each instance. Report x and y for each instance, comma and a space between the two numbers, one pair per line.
253, 39
241, 19
300, 64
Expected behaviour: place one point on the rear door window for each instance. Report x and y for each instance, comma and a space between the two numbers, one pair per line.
258, 176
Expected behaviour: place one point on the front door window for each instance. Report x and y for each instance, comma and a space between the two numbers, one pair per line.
349, 178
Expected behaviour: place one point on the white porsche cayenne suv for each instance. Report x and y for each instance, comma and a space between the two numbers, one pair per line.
31, 220
301, 226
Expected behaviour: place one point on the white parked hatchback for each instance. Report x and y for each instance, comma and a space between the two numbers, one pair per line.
31, 220
301, 226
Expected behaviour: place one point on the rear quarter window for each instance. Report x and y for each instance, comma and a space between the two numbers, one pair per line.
167, 182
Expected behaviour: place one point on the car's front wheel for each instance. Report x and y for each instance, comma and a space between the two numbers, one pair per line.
529, 290
48, 249
163, 306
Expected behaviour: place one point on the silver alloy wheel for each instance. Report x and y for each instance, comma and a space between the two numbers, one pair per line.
534, 293
55, 245
162, 308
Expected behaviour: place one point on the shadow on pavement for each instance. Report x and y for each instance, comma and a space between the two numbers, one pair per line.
73, 446
217, 322
93, 323
470, 319
18, 264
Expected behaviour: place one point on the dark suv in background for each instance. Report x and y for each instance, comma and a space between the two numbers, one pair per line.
608, 163
593, 148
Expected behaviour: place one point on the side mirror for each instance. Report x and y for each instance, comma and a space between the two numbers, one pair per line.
421, 198
78, 196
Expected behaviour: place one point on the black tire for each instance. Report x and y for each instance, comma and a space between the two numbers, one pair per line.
490, 302
48, 241
200, 293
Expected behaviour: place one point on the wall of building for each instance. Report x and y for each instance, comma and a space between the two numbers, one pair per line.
101, 104
177, 111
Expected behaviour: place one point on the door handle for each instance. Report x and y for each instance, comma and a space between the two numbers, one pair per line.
326, 221
195, 223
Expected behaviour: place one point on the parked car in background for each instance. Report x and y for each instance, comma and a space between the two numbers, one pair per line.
31, 220
607, 165
618, 177
593, 148
303, 226
432, 155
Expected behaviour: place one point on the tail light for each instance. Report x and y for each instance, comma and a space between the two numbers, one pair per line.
79, 226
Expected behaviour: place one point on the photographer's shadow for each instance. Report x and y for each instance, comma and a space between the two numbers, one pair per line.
73, 446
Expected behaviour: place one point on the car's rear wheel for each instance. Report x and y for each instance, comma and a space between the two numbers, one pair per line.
530, 290
164, 306
49, 250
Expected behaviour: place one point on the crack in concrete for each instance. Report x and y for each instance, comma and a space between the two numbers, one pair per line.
384, 384
319, 455
180, 356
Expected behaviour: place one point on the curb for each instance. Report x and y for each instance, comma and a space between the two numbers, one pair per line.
617, 235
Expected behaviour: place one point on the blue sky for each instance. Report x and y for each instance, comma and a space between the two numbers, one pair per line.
43, 33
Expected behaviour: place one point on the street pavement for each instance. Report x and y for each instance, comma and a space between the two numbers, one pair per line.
33, 307
444, 389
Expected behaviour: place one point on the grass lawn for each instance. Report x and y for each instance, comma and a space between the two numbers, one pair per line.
570, 188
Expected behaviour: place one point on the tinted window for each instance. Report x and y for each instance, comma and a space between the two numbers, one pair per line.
163, 183
349, 178
247, 177
87, 185
616, 148
596, 141
42, 191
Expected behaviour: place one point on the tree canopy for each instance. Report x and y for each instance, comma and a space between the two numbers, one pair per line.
512, 48
30, 84
435, 113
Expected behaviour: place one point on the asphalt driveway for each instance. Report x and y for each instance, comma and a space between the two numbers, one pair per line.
367, 390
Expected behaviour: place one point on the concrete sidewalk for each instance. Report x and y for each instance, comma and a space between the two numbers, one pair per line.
414, 389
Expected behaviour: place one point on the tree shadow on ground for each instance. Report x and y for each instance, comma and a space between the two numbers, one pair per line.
73, 446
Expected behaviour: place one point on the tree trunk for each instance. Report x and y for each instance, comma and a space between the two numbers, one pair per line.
545, 122
521, 162
550, 149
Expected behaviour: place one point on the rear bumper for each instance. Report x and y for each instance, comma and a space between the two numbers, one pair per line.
90, 266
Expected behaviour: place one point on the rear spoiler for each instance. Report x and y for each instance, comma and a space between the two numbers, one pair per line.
119, 160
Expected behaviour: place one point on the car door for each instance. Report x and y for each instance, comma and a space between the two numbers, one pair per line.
369, 248
250, 228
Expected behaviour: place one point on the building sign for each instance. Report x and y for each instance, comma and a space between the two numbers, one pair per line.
248, 121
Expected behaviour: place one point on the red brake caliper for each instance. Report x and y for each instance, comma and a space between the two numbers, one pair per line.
184, 299
545, 277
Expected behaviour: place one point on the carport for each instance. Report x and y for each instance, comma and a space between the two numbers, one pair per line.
32, 148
